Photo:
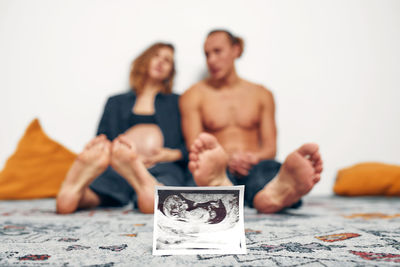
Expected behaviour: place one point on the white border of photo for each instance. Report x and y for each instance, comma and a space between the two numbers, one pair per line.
176, 234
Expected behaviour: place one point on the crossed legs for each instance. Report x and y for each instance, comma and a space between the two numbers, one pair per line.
208, 161
300, 171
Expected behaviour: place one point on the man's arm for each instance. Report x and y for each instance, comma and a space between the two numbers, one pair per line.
189, 104
267, 126
241, 162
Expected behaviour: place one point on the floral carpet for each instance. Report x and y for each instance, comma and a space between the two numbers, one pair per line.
325, 231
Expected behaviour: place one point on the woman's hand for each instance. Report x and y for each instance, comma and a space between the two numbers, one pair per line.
163, 155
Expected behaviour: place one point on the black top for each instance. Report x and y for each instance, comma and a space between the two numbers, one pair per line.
139, 119
117, 118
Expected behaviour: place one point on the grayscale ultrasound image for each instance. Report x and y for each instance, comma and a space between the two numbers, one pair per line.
197, 219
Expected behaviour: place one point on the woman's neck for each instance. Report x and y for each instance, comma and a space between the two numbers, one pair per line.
144, 103
152, 87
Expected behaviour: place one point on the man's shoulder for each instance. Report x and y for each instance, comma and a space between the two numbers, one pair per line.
192, 97
197, 87
258, 89
195, 90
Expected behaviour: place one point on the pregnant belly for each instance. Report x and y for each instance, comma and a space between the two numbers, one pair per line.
148, 138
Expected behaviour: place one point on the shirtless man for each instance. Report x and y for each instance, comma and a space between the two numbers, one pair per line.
229, 124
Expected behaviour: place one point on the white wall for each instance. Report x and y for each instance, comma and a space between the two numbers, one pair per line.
333, 66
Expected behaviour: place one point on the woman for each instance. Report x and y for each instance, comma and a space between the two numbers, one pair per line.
144, 125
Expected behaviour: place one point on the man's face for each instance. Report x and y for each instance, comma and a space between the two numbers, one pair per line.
220, 55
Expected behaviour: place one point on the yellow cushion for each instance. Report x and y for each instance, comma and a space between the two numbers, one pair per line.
37, 168
368, 179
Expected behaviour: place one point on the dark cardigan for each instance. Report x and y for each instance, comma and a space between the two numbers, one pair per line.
118, 110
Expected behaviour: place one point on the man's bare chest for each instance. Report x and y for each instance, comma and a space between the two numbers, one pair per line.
222, 111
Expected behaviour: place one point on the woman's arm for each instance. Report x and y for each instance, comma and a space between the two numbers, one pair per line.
108, 124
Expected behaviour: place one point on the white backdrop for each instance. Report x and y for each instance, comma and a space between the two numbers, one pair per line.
333, 66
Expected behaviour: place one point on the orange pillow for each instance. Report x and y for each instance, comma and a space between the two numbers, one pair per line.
368, 179
37, 168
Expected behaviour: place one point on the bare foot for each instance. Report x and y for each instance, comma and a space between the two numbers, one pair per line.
297, 176
208, 162
89, 164
125, 160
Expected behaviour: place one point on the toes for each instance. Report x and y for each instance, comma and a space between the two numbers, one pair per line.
317, 178
204, 141
125, 141
198, 146
192, 166
316, 157
193, 157
193, 149
311, 152
91, 143
107, 146
99, 146
318, 167
96, 143
116, 145
308, 149
208, 140
98, 139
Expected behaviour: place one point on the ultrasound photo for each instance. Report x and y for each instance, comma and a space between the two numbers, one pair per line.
198, 220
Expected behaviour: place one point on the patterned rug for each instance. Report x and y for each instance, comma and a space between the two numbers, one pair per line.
326, 231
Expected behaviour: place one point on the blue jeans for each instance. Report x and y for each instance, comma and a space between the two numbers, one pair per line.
259, 175
113, 190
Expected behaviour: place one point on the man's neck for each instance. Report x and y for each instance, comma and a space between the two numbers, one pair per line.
227, 82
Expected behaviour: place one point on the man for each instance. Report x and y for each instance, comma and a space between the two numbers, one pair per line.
229, 124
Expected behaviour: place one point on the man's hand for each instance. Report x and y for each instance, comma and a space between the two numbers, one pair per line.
240, 163
163, 155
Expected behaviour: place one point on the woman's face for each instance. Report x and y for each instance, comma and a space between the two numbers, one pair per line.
161, 64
